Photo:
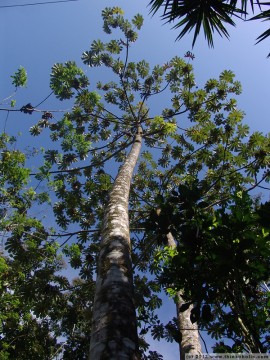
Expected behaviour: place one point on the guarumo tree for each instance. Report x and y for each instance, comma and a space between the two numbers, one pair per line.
109, 125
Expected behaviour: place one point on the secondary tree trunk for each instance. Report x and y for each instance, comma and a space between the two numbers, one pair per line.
190, 339
114, 329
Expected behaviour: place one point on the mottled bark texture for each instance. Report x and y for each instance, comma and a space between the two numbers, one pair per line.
114, 330
190, 339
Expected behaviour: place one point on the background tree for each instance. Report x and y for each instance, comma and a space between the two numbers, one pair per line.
233, 164
28, 264
165, 218
38, 304
230, 276
189, 337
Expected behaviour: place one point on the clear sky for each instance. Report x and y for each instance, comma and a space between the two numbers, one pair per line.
36, 37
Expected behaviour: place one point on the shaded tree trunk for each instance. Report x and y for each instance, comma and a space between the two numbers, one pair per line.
190, 339
250, 336
114, 329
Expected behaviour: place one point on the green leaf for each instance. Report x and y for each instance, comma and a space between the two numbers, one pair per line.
67, 78
138, 21
20, 78
143, 68
97, 46
114, 47
3, 265
227, 75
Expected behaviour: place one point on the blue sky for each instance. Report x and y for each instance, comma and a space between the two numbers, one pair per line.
36, 37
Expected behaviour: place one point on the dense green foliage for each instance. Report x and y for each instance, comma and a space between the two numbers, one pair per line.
25, 260
221, 265
191, 179
38, 303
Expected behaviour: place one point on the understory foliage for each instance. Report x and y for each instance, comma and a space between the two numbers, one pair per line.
25, 259
221, 265
192, 178
38, 303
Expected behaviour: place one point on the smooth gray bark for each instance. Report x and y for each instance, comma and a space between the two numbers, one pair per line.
114, 329
190, 338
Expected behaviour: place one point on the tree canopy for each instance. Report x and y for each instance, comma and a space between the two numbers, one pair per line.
114, 202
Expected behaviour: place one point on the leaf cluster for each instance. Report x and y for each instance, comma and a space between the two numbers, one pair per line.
38, 304
19, 78
221, 264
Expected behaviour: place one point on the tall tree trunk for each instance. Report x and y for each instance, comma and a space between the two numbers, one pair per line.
114, 329
190, 339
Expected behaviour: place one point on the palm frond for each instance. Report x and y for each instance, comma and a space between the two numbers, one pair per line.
210, 15
156, 4
264, 16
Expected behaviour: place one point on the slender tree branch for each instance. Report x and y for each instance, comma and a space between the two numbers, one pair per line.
259, 182
170, 172
9, 97
88, 166
117, 137
47, 97
204, 343
73, 233
34, 110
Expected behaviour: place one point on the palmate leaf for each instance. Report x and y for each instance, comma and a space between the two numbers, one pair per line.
137, 21
19, 78
97, 46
